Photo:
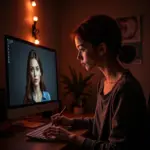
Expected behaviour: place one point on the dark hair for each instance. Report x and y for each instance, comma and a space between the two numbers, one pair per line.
101, 28
29, 86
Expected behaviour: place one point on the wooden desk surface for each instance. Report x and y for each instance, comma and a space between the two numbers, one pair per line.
19, 141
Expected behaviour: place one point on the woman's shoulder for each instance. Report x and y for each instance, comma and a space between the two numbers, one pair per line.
45, 93
130, 84
129, 80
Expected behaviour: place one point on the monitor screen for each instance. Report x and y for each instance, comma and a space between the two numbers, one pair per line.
31, 73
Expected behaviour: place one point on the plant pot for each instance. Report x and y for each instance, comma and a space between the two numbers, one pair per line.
78, 110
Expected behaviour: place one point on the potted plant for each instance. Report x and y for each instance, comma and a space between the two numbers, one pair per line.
79, 88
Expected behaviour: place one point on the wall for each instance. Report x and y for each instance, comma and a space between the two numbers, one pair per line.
16, 20
75, 11
56, 21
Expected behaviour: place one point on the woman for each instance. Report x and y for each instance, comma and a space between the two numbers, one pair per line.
35, 88
120, 114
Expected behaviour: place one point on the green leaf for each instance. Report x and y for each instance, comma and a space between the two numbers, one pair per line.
77, 85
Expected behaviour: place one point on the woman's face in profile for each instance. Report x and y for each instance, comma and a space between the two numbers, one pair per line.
35, 72
85, 55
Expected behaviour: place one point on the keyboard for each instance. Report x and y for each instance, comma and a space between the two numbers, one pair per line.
38, 133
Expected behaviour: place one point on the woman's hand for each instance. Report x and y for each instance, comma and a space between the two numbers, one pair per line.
58, 119
58, 132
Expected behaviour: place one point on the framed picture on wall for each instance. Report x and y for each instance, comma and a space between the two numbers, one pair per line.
130, 28
138, 58
131, 34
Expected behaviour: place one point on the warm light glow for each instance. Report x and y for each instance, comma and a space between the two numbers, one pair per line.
36, 41
35, 18
33, 3
28, 19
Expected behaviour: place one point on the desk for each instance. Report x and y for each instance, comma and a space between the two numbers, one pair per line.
19, 141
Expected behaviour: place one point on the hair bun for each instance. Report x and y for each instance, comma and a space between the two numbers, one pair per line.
127, 54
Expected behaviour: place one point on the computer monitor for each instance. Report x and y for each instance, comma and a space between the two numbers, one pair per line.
31, 71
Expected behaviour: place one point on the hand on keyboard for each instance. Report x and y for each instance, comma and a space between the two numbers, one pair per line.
38, 133
53, 130
58, 132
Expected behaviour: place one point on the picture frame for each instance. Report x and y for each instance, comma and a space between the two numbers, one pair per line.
132, 35
138, 58
130, 29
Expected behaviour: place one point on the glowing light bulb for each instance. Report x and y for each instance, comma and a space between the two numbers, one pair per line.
33, 3
35, 18
36, 41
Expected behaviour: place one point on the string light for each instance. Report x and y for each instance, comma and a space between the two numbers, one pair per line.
36, 41
35, 31
35, 18
33, 3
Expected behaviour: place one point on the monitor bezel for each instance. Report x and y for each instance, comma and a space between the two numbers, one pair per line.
7, 72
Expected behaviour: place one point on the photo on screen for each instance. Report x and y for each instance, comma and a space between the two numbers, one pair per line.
32, 73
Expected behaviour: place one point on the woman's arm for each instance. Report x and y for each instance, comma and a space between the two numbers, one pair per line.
85, 123
127, 131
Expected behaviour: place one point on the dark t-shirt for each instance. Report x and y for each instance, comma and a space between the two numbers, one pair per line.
120, 117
